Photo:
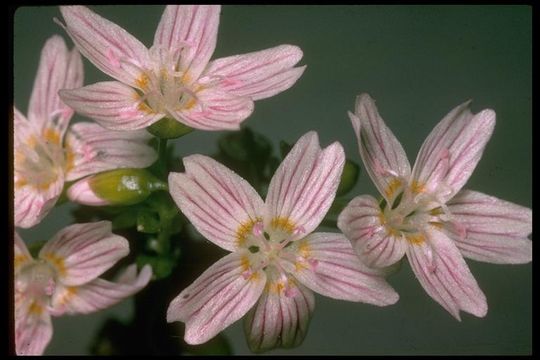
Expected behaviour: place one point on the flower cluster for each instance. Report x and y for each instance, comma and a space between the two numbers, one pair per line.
277, 259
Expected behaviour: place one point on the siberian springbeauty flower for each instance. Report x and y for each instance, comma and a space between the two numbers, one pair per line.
64, 280
426, 215
175, 77
276, 261
44, 157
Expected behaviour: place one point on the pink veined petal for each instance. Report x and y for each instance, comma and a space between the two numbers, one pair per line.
96, 149
383, 156
112, 104
214, 110
22, 255
33, 328
99, 293
109, 47
304, 186
278, 320
195, 29
489, 229
22, 130
81, 192
445, 276
360, 222
218, 202
258, 74
450, 153
331, 268
82, 252
218, 298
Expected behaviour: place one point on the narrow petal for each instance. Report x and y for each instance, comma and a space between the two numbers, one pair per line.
304, 186
489, 229
278, 320
193, 28
219, 297
375, 245
95, 149
219, 203
58, 69
215, 109
82, 252
445, 276
22, 256
99, 294
326, 263
450, 153
382, 154
109, 47
33, 328
112, 104
259, 74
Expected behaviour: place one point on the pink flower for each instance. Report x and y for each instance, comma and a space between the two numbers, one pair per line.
44, 157
276, 261
175, 77
426, 215
63, 280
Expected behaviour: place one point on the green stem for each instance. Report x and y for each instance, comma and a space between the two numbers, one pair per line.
162, 153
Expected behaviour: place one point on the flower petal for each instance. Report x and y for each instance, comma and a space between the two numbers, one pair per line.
195, 29
445, 276
450, 153
109, 47
326, 263
99, 294
82, 252
219, 297
219, 203
95, 149
382, 154
112, 104
58, 69
258, 74
304, 186
215, 109
22, 255
33, 328
489, 229
376, 246
278, 320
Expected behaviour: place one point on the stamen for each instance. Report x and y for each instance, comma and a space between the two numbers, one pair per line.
258, 228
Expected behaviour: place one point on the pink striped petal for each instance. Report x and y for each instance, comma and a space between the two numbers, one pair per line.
215, 110
109, 47
82, 252
99, 294
376, 246
22, 256
96, 149
195, 29
278, 320
23, 130
452, 150
326, 263
58, 69
218, 202
304, 186
82, 193
489, 229
219, 297
33, 328
382, 154
259, 74
445, 276
112, 104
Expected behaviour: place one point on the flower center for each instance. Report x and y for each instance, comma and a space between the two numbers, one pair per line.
36, 280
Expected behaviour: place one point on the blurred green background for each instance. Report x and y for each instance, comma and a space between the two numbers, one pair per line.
418, 62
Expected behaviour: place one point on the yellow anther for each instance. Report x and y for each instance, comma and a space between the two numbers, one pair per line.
35, 308
390, 190
416, 239
57, 262
244, 230
51, 136
142, 81
417, 187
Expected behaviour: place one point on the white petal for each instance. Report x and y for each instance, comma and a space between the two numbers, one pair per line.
445, 276
95, 149
304, 186
219, 203
82, 252
219, 297
489, 229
